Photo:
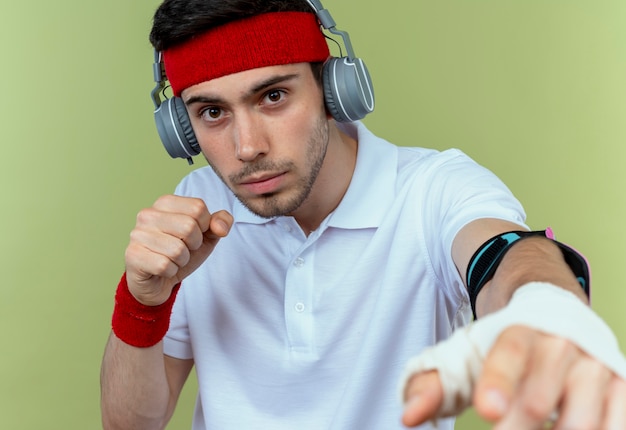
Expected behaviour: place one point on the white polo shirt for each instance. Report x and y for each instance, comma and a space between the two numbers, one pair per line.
290, 332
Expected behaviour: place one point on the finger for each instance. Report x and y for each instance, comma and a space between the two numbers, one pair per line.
193, 207
424, 395
615, 414
143, 264
503, 369
150, 276
219, 227
165, 244
170, 230
583, 403
179, 225
541, 390
220, 224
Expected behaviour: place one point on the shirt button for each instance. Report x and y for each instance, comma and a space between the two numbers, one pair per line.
299, 307
298, 262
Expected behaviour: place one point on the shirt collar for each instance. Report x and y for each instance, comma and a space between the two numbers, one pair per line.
372, 189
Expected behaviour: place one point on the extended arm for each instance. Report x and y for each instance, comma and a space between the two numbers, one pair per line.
520, 373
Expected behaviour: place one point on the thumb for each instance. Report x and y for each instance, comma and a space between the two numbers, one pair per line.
219, 227
424, 396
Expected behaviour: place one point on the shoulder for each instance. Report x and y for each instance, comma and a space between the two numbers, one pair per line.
433, 165
412, 156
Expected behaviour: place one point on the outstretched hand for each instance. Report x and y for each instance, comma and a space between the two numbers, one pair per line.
529, 378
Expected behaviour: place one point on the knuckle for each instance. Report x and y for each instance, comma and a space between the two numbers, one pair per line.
163, 200
589, 369
513, 345
136, 236
562, 347
537, 407
190, 234
164, 267
179, 253
197, 208
517, 331
187, 227
145, 216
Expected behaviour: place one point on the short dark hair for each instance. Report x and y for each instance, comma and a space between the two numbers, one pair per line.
176, 21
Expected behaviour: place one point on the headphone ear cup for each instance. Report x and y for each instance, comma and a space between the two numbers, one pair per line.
348, 91
174, 128
330, 96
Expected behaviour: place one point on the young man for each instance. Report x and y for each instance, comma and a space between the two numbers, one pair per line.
317, 259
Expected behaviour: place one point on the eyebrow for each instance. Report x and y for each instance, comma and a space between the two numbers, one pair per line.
261, 86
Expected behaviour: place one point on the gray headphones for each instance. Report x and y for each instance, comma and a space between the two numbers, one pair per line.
348, 94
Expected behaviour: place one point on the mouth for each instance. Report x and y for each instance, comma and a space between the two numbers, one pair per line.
263, 184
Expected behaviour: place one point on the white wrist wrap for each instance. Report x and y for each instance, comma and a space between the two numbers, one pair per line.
539, 305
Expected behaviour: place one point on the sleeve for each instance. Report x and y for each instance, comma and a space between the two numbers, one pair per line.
177, 341
459, 191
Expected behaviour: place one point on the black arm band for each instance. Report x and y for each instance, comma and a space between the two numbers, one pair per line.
486, 259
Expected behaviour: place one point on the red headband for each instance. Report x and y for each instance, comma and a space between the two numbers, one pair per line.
269, 39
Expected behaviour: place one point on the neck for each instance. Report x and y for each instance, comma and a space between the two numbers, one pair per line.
331, 183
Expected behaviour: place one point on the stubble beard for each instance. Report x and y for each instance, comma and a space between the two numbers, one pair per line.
276, 204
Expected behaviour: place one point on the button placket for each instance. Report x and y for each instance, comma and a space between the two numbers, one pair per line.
298, 293
298, 262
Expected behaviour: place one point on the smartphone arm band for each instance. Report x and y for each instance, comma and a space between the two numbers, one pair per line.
486, 259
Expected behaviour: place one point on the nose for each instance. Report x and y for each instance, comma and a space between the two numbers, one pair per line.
250, 138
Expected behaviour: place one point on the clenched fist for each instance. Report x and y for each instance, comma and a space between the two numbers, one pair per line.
170, 240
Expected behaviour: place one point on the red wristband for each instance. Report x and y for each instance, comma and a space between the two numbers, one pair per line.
137, 324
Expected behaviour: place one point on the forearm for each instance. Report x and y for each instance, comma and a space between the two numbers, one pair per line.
135, 392
531, 259
141, 385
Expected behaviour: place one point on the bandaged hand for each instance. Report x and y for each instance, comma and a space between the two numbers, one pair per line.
544, 356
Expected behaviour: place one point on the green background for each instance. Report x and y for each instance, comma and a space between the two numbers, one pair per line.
534, 90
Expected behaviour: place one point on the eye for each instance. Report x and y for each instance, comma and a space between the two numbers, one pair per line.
274, 96
211, 113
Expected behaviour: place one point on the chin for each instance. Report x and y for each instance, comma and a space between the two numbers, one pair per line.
272, 205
